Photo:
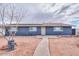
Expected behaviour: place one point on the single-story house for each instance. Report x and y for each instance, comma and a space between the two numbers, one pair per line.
39, 29
77, 31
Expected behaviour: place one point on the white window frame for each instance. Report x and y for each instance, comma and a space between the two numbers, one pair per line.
58, 29
32, 28
15, 29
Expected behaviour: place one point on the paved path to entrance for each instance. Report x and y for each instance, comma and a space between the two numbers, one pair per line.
42, 49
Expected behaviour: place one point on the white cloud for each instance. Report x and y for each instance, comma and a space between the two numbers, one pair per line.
40, 13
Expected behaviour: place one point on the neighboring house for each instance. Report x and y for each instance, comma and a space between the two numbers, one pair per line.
40, 29
77, 31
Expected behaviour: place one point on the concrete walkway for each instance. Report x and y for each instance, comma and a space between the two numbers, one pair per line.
42, 49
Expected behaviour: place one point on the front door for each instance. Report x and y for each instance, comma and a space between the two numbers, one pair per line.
43, 31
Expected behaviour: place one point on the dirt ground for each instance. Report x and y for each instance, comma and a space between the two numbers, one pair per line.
25, 46
58, 46
64, 46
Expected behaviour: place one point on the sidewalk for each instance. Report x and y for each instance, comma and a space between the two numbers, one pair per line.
42, 49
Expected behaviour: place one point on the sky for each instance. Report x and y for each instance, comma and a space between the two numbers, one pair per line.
49, 12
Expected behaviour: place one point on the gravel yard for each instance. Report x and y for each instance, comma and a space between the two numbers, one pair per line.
64, 46
58, 46
25, 46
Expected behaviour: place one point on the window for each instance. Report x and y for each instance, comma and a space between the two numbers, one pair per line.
58, 29
32, 28
13, 29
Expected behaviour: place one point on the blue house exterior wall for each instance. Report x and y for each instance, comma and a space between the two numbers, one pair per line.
24, 31
66, 31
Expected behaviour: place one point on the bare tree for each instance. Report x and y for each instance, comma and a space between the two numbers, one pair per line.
18, 16
3, 15
2, 18
12, 15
